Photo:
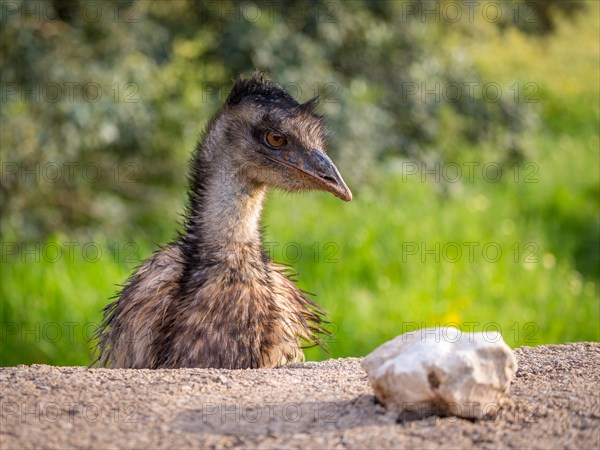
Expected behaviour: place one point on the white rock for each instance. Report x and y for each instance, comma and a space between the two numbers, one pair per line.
443, 371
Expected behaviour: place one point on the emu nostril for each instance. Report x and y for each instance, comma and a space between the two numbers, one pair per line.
329, 179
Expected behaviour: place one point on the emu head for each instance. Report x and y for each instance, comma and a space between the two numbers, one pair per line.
270, 139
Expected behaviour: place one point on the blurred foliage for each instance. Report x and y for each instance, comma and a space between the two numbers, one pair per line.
116, 92
110, 167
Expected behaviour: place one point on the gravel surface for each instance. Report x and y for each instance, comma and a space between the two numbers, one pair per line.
554, 404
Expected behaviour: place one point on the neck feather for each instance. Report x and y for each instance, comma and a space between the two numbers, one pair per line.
223, 223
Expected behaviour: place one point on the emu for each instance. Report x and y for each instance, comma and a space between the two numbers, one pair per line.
213, 297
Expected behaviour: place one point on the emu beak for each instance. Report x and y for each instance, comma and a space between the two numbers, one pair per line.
317, 169
320, 169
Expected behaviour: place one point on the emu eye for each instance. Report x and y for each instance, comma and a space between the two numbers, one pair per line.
275, 140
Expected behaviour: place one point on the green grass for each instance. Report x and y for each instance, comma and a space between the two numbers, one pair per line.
398, 266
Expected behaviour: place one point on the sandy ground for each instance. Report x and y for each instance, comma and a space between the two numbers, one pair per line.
555, 404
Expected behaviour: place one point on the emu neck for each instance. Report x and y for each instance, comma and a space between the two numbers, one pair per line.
232, 213
224, 224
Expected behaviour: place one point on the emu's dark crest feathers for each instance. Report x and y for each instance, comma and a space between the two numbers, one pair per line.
213, 297
268, 93
260, 90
